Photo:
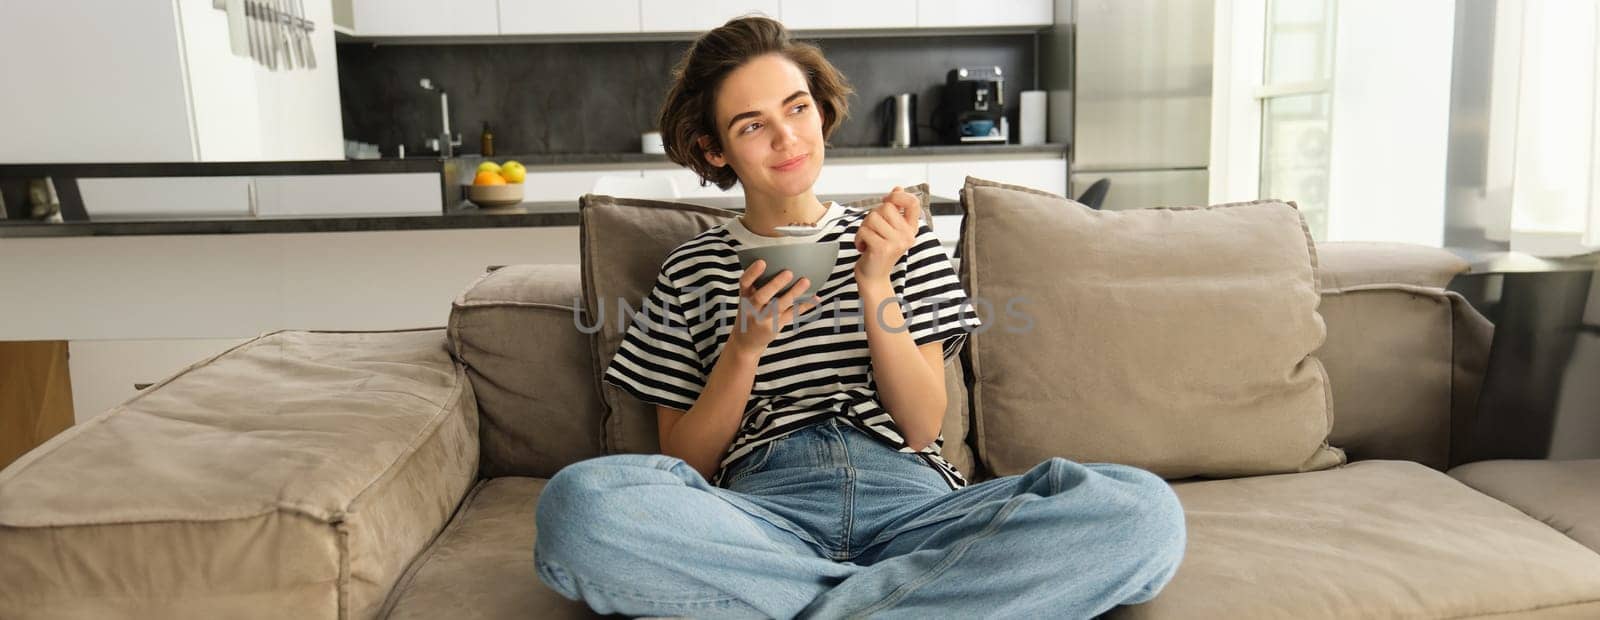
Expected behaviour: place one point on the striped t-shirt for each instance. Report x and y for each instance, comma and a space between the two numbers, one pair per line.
819, 366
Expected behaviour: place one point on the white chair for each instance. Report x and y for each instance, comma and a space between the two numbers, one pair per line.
636, 187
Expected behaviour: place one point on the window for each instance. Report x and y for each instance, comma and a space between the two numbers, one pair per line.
1296, 106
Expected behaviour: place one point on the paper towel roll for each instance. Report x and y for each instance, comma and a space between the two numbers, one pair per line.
1031, 117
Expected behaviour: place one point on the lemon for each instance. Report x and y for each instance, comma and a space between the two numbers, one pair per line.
488, 166
514, 172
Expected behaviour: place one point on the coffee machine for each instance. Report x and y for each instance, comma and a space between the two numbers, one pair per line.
972, 108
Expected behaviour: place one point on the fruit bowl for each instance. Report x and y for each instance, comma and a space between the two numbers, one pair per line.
503, 195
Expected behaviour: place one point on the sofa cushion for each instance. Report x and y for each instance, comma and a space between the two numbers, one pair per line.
482, 565
293, 476
516, 329
1563, 494
1176, 340
623, 243
1390, 539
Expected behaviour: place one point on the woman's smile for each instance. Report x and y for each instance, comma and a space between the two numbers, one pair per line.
792, 164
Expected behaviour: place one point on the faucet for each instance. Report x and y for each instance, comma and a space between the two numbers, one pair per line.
446, 142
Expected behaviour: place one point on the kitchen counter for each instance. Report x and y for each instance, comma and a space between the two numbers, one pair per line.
835, 152
224, 168
280, 213
424, 163
528, 214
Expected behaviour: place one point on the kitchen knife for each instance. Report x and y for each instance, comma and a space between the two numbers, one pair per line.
238, 38
311, 48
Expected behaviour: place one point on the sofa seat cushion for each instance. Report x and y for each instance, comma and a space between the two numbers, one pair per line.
293, 476
482, 565
1391, 539
1563, 494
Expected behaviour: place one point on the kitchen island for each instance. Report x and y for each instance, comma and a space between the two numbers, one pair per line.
368, 195
464, 215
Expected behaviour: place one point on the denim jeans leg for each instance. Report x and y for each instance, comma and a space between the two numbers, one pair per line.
1063, 540
644, 535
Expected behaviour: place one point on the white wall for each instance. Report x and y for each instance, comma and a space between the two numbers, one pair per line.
234, 286
1391, 109
90, 81
104, 371
1237, 59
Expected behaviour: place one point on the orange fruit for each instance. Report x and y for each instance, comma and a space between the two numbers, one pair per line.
487, 177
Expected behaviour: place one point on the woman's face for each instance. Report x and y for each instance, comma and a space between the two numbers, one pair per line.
770, 127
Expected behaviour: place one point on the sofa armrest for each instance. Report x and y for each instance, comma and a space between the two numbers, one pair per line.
1405, 357
295, 475
516, 330
1350, 264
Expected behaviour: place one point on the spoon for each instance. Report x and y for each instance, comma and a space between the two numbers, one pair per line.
798, 229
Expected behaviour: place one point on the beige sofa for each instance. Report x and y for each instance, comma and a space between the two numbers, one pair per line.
395, 474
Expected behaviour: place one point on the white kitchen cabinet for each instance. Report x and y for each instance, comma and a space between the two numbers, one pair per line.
848, 14
699, 15
688, 183
125, 198
177, 93
591, 16
565, 185
332, 195
969, 14
946, 179
868, 178
426, 17
948, 229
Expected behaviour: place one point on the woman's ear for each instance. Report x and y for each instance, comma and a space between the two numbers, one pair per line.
713, 156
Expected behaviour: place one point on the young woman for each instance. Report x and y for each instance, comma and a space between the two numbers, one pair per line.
800, 472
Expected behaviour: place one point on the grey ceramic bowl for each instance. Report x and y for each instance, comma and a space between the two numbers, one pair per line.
808, 260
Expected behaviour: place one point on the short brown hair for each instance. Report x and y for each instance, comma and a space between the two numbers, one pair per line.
690, 108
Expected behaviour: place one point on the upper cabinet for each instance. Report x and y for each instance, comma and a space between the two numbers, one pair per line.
177, 92
377, 19
591, 16
848, 14
965, 13
426, 17
698, 15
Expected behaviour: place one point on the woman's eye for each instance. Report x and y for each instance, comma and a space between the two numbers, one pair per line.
801, 106
749, 128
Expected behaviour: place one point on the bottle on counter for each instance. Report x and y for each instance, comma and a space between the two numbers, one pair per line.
487, 141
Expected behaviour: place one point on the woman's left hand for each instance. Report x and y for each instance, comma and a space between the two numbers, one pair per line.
885, 235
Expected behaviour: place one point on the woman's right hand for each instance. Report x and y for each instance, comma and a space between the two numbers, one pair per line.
762, 315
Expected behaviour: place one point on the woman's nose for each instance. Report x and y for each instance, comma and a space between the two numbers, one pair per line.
784, 135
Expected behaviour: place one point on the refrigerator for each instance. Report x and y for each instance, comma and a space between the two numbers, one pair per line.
1130, 94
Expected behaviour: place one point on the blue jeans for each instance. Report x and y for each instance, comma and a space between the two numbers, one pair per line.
829, 523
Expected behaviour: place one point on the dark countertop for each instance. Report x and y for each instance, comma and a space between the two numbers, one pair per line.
434, 164
224, 168
460, 216
566, 159
528, 214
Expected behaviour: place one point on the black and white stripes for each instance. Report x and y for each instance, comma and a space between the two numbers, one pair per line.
818, 367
